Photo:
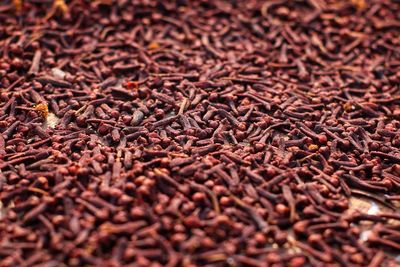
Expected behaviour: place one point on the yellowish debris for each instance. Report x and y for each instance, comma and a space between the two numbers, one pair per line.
132, 85
348, 106
57, 5
359, 4
43, 109
153, 45
103, 2
18, 6
312, 147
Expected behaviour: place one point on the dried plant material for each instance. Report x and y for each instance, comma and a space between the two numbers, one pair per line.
2, 210
243, 141
103, 2
178, 155
183, 105
34, 69
38, 190
34, 36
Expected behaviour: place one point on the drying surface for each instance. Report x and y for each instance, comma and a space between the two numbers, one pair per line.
194, 133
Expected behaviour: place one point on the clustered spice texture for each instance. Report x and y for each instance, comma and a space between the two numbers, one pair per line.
199, 133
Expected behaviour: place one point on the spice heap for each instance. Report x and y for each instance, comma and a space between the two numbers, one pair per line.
194, 133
